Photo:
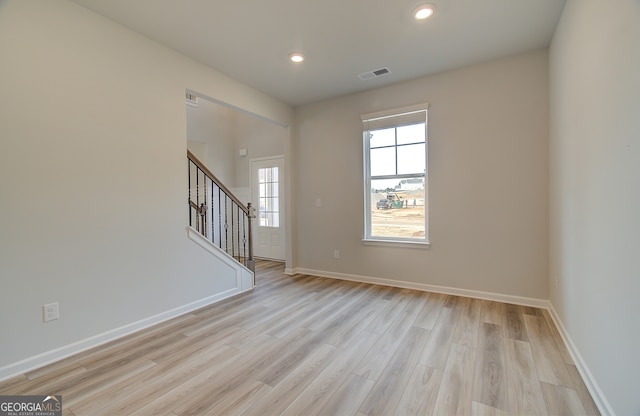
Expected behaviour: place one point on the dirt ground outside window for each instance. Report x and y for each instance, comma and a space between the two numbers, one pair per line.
406, 221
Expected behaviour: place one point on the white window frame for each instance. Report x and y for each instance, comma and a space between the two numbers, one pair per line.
390, 118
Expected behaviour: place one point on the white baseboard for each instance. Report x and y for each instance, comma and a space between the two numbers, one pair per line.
596, 393
244, 282
57, 354
498, 297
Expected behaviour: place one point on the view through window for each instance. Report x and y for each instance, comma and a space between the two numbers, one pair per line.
268, 211
395, 151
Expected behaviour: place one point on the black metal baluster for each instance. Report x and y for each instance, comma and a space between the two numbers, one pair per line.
226, 224
198, 197
220, 216
203, 208
233, 244
238, 231
213, 228
244, 239
189, 185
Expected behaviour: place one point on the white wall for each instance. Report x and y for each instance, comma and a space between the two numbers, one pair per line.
595, 190
488, 183
93, 170
216, 133
213, 125
261, 139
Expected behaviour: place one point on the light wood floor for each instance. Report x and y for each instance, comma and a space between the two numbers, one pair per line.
301, 345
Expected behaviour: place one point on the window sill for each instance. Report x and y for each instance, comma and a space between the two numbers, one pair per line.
396, 243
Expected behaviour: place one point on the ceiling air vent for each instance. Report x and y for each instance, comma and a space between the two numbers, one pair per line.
192, 100
373, 74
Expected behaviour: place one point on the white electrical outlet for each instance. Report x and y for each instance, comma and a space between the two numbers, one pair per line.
336, 254
51, 311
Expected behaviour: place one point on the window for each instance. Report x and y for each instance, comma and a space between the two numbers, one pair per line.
268, 212
395, 175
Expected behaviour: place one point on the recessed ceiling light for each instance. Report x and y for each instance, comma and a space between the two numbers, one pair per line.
296, 57
424, 11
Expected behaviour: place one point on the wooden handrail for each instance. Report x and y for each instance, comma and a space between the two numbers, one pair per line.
217, 181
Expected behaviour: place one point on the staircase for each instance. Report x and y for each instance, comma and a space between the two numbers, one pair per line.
218, 215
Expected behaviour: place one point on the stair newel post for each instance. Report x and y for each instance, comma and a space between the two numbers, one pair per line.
251, 264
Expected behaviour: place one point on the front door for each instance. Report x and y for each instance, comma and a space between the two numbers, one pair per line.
267, 196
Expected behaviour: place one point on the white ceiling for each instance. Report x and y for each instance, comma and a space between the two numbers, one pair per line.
250, 40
